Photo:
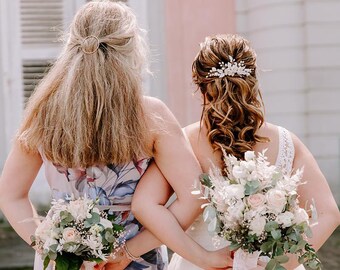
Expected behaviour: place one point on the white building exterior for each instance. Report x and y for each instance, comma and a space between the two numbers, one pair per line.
298, 48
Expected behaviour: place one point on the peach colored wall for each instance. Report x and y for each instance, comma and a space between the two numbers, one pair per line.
187, 23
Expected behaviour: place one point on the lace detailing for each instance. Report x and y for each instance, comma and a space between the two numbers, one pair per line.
286, 153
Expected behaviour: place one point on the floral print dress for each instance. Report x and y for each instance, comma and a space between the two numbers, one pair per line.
113, 186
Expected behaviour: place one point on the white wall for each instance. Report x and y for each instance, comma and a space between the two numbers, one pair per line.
10, 72
299, 41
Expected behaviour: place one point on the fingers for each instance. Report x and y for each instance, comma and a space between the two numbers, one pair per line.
100, 266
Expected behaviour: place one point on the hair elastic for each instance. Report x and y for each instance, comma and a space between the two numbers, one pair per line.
95, 49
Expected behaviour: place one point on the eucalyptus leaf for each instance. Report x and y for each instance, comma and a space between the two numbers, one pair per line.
209, 213
286, 246
52, 255
276, 234
308, 232
301, 244
282, 258
271, 225
109, 237
252, 187
267, 246
46, 262
293, 236
271, 265
280, 267
293, 249
205, 180
234, 246
212, 225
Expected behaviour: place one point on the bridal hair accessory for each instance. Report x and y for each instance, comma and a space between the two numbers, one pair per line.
90, 39
229, 69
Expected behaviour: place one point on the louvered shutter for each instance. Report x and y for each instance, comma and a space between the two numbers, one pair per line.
33, 72
40, 20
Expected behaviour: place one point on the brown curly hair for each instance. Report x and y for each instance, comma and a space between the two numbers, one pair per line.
233, 105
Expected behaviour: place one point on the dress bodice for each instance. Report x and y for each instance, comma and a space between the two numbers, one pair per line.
286, 153
112, 185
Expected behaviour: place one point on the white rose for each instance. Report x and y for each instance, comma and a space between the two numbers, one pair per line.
249, 155
236, 210
71, 235
300, 215
106, 223
96, 229
239, 172
235, 191
45, 229
276, 200
285, 219
221, 207
257, 225
233, 160
256, 200
78, 209
49, 242
94, 242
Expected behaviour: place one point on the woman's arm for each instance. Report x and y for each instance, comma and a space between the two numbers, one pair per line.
177, 162
316, 188
17, 177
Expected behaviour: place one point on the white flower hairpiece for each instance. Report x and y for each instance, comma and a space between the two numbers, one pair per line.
229, 69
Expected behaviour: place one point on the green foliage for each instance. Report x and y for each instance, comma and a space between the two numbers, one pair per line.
66, 218
205, 180
252, 187
94, 219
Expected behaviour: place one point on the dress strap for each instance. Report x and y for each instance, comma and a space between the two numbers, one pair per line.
285, 157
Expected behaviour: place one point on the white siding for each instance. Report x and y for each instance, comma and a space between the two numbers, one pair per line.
298, 41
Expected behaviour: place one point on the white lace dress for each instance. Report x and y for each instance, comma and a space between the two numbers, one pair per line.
199, 231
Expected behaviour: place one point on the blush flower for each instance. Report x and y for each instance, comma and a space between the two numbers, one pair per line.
276, 200
256, 200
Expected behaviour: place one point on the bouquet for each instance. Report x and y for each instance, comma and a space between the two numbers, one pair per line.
75, 231
255, 207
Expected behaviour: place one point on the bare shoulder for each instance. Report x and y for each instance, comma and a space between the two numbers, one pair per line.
160, 118
154, 105
192, 131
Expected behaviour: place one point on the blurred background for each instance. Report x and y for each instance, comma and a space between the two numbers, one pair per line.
298, 48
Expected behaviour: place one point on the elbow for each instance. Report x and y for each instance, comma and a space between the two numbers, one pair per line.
136, 207
3, 197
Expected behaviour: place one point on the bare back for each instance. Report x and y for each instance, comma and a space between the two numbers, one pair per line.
276, 153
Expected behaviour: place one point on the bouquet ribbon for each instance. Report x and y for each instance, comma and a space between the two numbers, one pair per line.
244, 260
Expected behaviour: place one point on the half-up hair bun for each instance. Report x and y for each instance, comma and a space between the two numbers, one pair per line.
233, 106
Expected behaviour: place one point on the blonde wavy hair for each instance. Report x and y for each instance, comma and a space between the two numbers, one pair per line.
233, 106
88, 109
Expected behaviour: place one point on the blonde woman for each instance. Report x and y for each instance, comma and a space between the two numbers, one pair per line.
95, 134
233, 120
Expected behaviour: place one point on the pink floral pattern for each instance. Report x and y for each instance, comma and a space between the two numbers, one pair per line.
113, 186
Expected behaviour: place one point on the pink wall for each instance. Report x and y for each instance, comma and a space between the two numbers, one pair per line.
187, 23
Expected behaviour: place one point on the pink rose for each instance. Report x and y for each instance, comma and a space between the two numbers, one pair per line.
256, 200
70, 235
276, 200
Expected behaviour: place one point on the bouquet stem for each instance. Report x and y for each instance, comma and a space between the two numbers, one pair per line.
244, 260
